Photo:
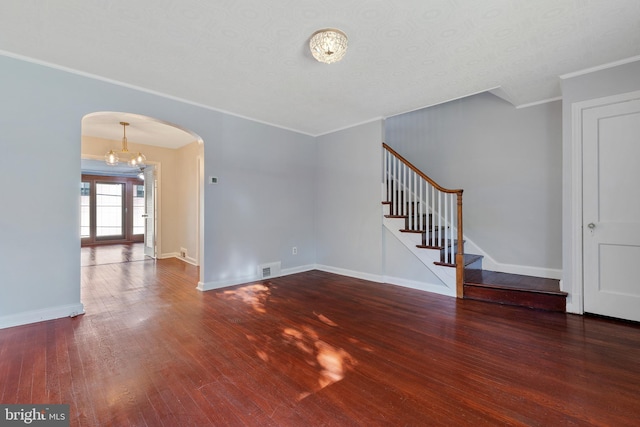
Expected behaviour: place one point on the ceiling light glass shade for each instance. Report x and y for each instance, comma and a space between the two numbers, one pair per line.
111, 158
137, 160
328, 45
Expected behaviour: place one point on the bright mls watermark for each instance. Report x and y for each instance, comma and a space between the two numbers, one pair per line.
34, 415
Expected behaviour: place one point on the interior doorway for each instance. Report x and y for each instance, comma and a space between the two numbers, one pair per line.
175, 155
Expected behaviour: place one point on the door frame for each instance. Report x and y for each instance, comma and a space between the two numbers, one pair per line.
576, 305
157, 166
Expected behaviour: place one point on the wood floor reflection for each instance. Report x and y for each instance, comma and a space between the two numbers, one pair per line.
315, 349
112, 254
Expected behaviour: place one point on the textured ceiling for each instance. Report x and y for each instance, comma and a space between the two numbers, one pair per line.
251, 57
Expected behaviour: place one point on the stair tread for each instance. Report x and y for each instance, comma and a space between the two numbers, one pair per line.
471, 258
430, 231
516, 282
468, 258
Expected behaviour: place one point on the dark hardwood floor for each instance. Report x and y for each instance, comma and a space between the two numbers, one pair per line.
315, 349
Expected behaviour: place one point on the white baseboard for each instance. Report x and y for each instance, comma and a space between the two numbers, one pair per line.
488, 263
188, 260
350, 273
169, 255
525, 270
296, 270
440, 289
208, 286
70, 310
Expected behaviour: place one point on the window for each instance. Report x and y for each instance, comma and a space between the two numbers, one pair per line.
85, 209
138, 209
111, 209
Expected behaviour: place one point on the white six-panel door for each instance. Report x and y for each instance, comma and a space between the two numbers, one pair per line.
611, 209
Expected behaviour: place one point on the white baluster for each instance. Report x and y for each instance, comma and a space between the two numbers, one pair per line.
390, 169
409, 196
403, 187
439, 218
451, 227
447, 242
433, 213
414, 212
426, 207
411, 199
400, 195
420, 218
395, 186
386, 174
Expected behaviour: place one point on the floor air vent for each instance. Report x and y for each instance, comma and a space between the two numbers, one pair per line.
266, 271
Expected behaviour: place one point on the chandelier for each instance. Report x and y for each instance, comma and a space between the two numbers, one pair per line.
328, 45
134, 160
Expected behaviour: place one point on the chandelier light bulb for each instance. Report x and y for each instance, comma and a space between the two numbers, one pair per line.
137, 160
111, 158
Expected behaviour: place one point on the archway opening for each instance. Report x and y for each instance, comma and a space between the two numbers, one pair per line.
175, 158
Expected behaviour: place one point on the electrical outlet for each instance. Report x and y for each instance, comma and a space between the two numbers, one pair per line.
183, 253
294, 250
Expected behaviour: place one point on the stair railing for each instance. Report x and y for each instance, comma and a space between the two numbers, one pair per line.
427, 207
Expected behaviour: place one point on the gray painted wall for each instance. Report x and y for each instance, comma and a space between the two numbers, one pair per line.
262, 206
612, 81
348, 203
507, 160
264, 202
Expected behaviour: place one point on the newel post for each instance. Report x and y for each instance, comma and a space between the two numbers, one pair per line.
460, 252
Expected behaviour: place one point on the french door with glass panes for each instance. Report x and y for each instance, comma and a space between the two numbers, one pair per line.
112, 210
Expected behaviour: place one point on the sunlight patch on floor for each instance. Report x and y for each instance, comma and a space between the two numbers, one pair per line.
255, 295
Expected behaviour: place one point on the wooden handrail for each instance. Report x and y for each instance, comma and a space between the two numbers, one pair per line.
418, 171
459, 257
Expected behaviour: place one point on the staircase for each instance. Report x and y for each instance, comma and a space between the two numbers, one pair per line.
427, 219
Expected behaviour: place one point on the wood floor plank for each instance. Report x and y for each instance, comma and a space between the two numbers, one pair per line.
11, 365
314, 349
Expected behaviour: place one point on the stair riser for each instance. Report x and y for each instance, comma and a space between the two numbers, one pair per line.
518, 298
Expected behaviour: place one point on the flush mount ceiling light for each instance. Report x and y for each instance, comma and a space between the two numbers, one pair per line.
135, 160
328, 45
